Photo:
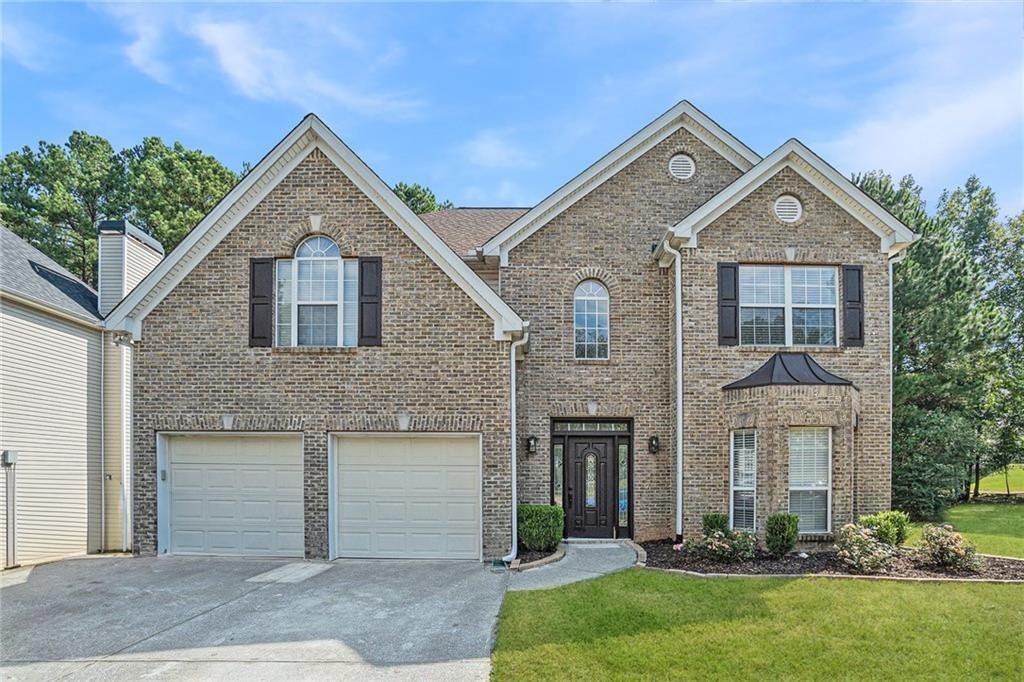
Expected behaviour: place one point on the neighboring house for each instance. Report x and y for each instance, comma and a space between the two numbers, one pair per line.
684, 327
65, 399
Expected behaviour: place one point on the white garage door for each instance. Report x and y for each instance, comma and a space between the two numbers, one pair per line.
235, 495
408, 496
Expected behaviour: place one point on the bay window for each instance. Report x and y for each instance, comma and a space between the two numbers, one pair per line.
788, 305
743, 479
810, 477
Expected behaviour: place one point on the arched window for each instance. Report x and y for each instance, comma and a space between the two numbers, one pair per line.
590, 312
310, 288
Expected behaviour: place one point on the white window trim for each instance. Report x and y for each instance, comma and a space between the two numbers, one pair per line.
827, 488
608, 299
788, 306
294, 303
732, 483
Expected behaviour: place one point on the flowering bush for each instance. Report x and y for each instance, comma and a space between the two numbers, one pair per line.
889, 527
943, 546
858, 548
725, 547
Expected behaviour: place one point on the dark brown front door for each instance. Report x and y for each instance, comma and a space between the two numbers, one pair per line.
590, 487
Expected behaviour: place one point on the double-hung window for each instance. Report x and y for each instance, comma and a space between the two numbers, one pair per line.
810, 477
788, 305
743, 479
317, 296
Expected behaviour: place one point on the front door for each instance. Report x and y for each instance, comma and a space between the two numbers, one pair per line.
590, 487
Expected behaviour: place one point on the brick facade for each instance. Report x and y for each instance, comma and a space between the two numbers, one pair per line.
194, 363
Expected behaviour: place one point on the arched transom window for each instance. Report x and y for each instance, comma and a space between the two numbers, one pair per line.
317, 296
590, 312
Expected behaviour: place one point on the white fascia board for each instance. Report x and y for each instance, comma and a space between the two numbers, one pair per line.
154, 288
682, 115
893, 234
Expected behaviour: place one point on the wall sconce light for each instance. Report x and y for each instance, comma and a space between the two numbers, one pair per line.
404, 420
592, 407
227, 421
653, 444
531, 444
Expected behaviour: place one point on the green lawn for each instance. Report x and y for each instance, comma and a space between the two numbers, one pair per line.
643, 624
996, 528
995, 483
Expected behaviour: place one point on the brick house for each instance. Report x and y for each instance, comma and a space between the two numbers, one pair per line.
684, 327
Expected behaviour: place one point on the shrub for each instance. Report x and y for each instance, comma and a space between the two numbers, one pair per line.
713, 522
943, 546
858, 548
889, 527
780, 533
540, 526
726, 547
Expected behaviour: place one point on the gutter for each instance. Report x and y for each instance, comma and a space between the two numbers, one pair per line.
667, 246
514, 549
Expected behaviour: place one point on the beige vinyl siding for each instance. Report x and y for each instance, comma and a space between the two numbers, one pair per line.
50, 373
111, 279
140, 262
116, 397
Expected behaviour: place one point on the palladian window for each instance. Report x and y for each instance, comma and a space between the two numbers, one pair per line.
317, 296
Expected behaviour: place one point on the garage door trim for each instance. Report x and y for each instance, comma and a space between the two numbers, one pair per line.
332, 474
163, 492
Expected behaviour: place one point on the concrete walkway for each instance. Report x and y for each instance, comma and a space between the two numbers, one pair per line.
582, 561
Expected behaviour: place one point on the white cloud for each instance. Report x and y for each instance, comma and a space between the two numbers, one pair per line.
27, 44
493, 149
505, 193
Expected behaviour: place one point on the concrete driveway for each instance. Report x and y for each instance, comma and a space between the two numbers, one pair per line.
218, 618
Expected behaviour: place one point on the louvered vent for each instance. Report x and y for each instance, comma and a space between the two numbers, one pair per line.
788, 208
681, 167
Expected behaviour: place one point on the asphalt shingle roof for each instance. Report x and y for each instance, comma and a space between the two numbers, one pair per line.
465, 229
28, 272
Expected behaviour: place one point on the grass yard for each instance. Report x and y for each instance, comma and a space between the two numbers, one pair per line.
644, 624
996, 528
995, 483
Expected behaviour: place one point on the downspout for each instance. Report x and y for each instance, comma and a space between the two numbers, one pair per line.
514, 549
892, 351
678, 258
103, 442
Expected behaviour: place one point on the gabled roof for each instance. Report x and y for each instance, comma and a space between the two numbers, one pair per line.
29, 275
789, 369
465, 229
894, 235
682, 115
311, 133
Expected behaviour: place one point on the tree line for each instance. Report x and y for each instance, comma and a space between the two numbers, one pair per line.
958, 384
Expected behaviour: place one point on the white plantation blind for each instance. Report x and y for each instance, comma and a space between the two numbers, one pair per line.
810, 480
788, 208
682, 167
744, 478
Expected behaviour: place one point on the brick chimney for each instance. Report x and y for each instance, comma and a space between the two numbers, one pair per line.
126, 256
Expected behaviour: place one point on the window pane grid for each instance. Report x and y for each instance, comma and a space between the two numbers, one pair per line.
788, 305
590, 321
284, 303
317, 297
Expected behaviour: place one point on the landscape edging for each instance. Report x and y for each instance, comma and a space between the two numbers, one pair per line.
917, 579
558, 555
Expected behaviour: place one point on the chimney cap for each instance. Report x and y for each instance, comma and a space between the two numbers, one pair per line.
126, 228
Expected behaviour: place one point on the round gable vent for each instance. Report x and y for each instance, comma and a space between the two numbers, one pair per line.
681, 167
788, 208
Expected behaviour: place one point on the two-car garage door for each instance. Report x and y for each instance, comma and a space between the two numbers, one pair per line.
393, 496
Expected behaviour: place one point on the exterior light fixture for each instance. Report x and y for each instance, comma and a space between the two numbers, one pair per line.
227, 421
404, 420
653, 444
531, 444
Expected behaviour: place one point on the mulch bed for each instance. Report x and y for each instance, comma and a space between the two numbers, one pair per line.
526, 556
661, 555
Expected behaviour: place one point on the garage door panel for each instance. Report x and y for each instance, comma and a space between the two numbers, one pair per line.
408, 497
236, 495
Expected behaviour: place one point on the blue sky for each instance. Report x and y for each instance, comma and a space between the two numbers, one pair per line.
501, 104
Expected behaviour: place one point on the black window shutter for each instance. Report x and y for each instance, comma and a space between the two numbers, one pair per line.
369, 300
728, 304
261, 302
853, 305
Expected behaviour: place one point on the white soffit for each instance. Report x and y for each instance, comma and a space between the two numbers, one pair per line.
894, 235
310, 134
682, 115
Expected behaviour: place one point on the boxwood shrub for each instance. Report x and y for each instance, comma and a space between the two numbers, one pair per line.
780, 533
889, 527
540, 526
715, 522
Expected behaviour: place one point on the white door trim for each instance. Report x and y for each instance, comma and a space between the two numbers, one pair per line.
332, 482
163, 492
